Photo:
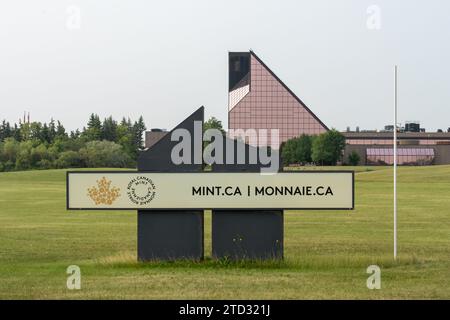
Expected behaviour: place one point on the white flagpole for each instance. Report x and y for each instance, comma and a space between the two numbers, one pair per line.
395, 168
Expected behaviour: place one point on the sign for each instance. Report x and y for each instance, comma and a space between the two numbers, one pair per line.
122, 190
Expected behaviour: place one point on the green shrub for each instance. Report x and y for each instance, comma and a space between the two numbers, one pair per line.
354, 158
69, 159
105, 154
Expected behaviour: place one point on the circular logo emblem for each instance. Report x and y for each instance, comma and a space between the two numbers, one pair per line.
141, 190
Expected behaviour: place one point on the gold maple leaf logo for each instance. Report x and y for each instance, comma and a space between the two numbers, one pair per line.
103, 193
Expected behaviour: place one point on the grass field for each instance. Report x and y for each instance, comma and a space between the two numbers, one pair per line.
326, 252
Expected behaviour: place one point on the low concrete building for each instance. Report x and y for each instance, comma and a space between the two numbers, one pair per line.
153, 136
414, 148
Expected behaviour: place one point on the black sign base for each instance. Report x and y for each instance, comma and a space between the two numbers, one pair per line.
249, 234
170, 235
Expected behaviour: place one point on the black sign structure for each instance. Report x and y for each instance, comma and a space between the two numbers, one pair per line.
253, 231
246, 233
170, 234
236, 234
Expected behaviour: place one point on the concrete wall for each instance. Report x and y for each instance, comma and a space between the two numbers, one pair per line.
442, 154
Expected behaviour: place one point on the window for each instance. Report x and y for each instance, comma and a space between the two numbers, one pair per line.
405, 156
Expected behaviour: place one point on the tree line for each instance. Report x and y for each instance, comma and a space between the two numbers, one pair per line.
36, 145
109, 143
324, 149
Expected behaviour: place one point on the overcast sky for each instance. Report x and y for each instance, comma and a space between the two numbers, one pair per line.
163, 59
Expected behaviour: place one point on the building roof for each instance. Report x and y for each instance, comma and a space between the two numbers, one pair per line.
400, 135
289, 90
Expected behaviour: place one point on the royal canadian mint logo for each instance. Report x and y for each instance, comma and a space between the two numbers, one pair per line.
141, 190
103, 193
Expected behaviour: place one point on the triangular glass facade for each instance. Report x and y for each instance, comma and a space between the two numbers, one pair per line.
264, 102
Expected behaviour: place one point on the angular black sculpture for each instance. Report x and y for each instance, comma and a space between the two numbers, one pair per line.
171, 234
179, 234
246, 233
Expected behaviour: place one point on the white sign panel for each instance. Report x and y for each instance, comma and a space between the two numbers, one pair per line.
209, 190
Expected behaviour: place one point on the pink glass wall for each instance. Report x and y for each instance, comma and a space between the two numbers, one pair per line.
412, 156
269, 105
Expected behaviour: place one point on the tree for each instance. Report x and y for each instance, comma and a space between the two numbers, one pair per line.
8, 166
15, 133
297, 150
75, 134
124, 136
36, 130
354, 158
94, 128
38, 154
327, 148
288, 152
213, 123
23, 160
105, 154
36, 145
24, 132
109, 129
131, 136
10, 150
69, 159
138, 133
45, 134
60, 131
51, 131
304, 148
5, 130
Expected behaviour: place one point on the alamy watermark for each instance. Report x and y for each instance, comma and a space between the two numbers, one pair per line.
73, 19
374, 280
221, 149
74, 278
373, 21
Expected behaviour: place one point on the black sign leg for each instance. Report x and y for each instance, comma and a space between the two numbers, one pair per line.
249, 234
170, 235
246, 234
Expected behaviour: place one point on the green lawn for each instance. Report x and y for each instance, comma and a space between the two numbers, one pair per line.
326, 252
